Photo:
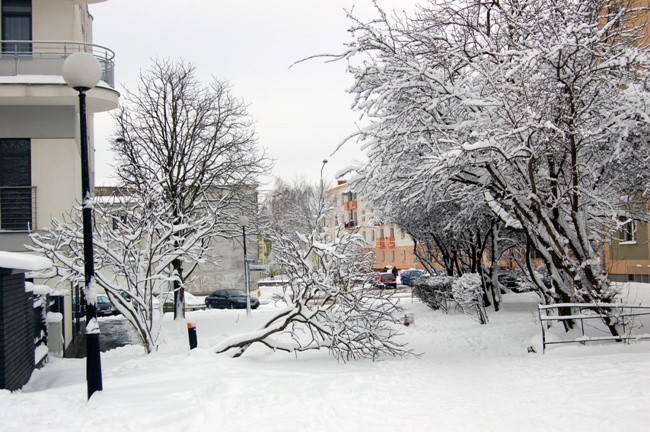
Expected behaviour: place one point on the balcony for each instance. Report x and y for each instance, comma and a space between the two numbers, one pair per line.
47, 57
385, 242
17, 208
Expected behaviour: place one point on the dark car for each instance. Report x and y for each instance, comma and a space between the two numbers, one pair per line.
507, 280
385, 280
229, 299
104, 306
409, 276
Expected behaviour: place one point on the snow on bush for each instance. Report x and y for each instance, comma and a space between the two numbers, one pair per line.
468, 294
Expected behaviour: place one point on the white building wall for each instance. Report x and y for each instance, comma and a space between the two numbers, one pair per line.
53, 20
56, 173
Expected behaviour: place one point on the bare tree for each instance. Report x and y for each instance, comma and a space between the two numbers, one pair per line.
192, 143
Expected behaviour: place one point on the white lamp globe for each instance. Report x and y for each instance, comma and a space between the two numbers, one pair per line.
81, 71
243, 220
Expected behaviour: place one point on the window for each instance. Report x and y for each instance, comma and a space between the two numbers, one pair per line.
372, 235
403, 256
628, 231
402, 234
392, 232
392, 256
16, 25
15, 185
119, 221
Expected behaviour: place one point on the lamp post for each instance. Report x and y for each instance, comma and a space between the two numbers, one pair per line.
321, 175
243, 222
82, 72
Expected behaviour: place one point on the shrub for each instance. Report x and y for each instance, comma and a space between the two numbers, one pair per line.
435, 292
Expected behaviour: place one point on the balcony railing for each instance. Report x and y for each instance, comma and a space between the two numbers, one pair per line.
31, 57
17, 208
350, 205
383, 242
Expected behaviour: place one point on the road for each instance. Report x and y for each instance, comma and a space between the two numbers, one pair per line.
116, 332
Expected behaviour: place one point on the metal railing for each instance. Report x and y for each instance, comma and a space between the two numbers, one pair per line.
32, 57
17, 208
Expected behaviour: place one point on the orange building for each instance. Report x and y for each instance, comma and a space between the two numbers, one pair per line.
391, 246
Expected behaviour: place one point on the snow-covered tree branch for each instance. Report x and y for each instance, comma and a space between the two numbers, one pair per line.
540, 106
135, 244
188, 140
328, 303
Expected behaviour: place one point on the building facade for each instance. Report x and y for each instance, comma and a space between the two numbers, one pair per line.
40, 165
391, 246
627, 254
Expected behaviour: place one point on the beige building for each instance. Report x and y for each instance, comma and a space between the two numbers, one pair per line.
391, 246
40, 165
627, 255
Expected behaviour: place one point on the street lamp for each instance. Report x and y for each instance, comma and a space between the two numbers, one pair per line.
243, 222
322, 190
82, 71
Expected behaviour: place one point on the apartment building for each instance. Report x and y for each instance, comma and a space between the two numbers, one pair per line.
40, 167
627, 254
391, 246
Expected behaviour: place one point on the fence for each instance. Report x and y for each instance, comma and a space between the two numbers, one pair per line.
620, 315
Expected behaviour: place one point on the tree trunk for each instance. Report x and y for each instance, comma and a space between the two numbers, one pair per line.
179, 291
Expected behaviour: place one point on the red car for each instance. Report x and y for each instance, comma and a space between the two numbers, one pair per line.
385, 280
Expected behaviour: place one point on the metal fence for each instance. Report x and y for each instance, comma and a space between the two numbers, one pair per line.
32, 57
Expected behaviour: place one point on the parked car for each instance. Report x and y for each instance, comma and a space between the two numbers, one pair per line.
104, 306
229, 299
385, 280
192, 302
409, 276
507, 280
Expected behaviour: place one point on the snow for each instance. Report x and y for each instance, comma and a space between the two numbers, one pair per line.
23, 261
469, 377
41, 79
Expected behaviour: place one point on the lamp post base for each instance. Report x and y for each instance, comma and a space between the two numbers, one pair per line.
93, 364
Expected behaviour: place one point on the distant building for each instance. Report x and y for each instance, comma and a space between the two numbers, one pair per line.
224, 263
391, 246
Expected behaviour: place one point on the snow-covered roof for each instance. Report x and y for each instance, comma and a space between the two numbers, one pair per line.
23, 261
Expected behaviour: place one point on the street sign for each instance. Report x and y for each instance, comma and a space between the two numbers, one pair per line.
258, 267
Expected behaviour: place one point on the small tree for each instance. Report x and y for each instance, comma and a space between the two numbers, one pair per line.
134, 246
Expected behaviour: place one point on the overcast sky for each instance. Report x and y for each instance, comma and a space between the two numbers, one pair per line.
302, 113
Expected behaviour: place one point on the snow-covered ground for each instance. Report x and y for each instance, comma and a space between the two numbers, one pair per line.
467, 378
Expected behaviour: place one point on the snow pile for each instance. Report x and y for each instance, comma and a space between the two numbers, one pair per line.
469, 377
